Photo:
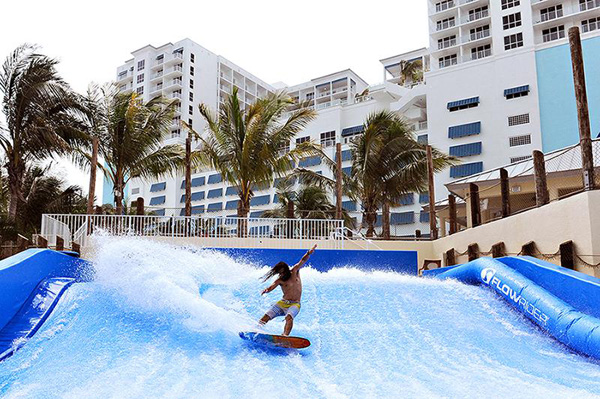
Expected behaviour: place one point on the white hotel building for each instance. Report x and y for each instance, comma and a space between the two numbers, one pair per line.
497, 85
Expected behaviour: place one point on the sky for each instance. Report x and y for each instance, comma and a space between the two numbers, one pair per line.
284, 41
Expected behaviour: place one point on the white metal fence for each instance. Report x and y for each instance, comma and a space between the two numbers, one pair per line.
216, 230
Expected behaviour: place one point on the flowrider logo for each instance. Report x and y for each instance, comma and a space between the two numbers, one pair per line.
488, 276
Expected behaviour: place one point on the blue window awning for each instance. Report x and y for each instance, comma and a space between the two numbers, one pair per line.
159, 212
310, 161
347, 170
462, 103
216, 178
466, 150
397, 218
516, 90
196, 182
256, 214
466, 169
215, 206
158, 187
468, 129
231, 190
232, 204
275, 198
407, 199
423, 198
340, 80
351, 131
196, 210
260, 200
346, 155
424, 217
350, 206
215, 193
197, 196
158, 200
423, 139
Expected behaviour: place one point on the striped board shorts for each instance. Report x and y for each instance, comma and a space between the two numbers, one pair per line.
284, 308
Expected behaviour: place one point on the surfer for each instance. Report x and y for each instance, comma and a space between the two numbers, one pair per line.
291, 285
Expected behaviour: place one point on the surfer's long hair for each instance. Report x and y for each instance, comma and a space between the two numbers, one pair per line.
282, 269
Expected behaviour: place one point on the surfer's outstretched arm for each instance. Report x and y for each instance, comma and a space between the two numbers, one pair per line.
307, 255
271, 287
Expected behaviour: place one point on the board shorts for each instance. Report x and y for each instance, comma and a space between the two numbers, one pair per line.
284, 308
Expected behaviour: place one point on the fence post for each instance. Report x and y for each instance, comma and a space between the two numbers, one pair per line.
498, 250
42, 242
539, 173
22, 243
475, 205
452, 211
567, 252
75, 247
60, 243
528, 249
583, 115
473, 251
505, 192
430, 173
450, 257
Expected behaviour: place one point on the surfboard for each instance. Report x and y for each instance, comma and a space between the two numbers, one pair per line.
279, 341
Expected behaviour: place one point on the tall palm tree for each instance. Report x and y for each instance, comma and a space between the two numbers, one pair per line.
249, 147
387, 162
41, 116
130, 133
411, 71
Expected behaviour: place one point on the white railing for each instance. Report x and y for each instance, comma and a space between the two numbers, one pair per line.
214, 231
359, 238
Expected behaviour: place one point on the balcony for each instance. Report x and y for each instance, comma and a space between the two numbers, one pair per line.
156, 88
444, 6
174, 58
176, 95
473, 37
323, 94
477, 55
474, 17
589, 5
176, 70
444, 44
445, 25
124, 76
157, 75
175, 84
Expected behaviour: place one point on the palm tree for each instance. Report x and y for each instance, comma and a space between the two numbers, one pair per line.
387, 162
411, 71
250, 147
130, 133
40, 111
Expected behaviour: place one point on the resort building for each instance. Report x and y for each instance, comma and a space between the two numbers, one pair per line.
494, 85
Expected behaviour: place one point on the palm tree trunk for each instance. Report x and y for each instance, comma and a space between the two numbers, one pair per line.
369, 216
385, 220
94, 165
119, 195
188, 176
242, 212
16, 170
290, 215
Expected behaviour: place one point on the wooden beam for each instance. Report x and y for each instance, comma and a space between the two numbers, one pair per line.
583, 115
567, 255
42, 242
139, 206
76, 247
504, 192
22, 243
498, 250
60, 243
450, 257
452, 211
539, 173
528, 249
431, 183
475, 204
473, 251
338, 181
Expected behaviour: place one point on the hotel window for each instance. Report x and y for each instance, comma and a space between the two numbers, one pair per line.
190, 110
310, 96
463, 104
550, 13
511, 21
513, 41
447, 42
175, 133
554, 33
140, 90
448, 60
510, 3
140, 78
590, 24
516, 92
135, 190
519, 158
284, 148
177, 120
191, 83
444, 5
192, 57
518, 119
192, 71
328, 139
588, 4
478, 13
445, 23
481, 52
301, 140
479, 33
191, 97
519, 140
141, 65
190, 122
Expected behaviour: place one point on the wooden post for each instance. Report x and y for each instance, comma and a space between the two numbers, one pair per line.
567, 255
452, 210
450, 257
139, 206
528, 249
418, 234
432, 218
338, 181
93, 167
475, 205
76, 247
504, 192
539, 172
60, 243
22, 243
498, 250
42, 242
188, 176
98, 210
290, 215
583, 116
473, 252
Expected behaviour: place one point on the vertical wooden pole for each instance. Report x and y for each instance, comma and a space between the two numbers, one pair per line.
418, 233
338, 181
539, 172
452, 210
93, 167
60, 243
188, 176
42, 242
498, 250
139, 206
528, 249
432, 218
583, 115
504, 192
567, 255
473, 252
450, 257
475, 205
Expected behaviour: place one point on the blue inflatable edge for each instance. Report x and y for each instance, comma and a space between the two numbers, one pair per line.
557, 300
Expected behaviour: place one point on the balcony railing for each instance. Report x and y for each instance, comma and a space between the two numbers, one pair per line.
476, 36
445, 25
448, 62
446, 43
476, 16
444, 6
588, 5
176, 95
477, 55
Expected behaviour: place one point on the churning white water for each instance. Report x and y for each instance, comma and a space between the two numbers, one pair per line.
159, 321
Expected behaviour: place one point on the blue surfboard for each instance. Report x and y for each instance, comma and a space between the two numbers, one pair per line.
277, 341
